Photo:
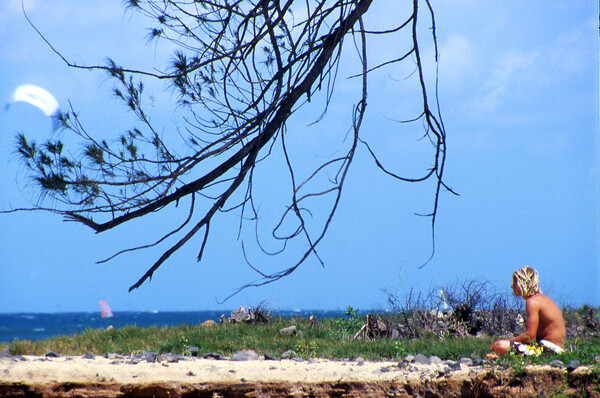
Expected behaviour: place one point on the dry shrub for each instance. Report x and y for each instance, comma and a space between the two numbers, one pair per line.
468, 308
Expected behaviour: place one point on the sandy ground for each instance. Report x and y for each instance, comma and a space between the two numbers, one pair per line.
191, 377
195, 370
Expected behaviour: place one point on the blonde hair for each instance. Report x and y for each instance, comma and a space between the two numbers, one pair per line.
528, 281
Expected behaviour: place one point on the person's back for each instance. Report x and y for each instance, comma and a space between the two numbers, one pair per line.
551, 324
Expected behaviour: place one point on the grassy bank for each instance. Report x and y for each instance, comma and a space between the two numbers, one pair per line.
325, 340
329, 338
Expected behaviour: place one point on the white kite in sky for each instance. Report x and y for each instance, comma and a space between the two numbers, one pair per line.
36, 96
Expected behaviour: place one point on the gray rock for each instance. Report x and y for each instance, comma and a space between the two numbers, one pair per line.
402, 365
5, 352
244, 355
289, 331
270, 357
193, 351
435, 360
453, 365
466, 361
212, 355
112, 355
556, 363
421, 360
360, 361
170, 358
409, 358
51, 354
88, 355
135, 361
572, 365
298, 359
289, 354
149, 356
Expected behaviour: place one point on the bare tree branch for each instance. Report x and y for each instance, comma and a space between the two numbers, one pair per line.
241, 70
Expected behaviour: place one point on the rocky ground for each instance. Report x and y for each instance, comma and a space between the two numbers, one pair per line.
245, 374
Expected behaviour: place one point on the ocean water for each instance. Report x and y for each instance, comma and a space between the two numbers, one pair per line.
38, 326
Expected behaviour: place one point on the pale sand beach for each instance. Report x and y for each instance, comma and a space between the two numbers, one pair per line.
101, 369
77, 376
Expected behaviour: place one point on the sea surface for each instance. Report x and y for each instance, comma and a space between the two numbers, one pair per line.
38, 326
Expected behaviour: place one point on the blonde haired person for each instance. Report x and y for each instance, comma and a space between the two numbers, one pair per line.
545, 323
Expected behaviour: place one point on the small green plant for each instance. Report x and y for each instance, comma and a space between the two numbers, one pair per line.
184, 343
347, 327
306, 349
400, 349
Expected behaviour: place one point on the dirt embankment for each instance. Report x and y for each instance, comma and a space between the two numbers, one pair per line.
76, 377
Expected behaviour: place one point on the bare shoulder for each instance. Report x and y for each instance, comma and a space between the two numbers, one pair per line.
540, 302
536, 301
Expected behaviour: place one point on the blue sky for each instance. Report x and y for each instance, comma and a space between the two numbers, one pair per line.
519, 96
